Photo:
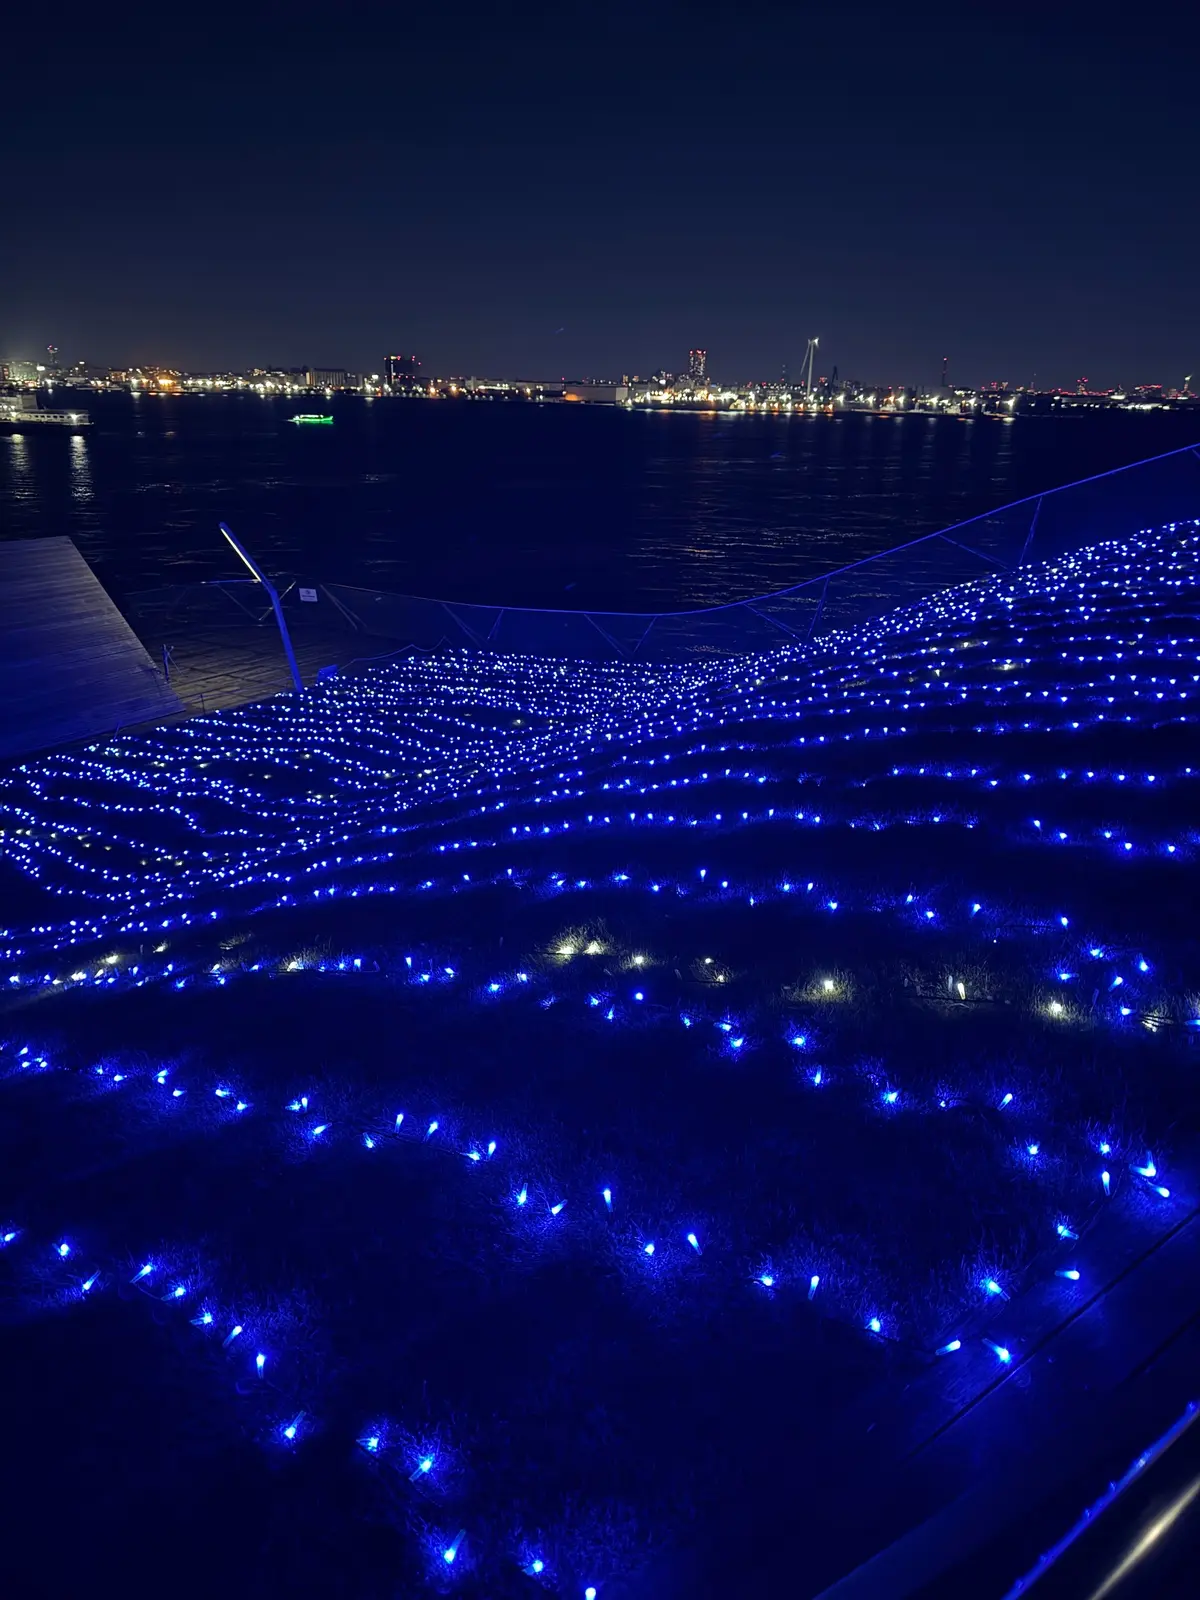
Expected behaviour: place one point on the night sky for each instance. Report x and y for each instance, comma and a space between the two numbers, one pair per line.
578, 189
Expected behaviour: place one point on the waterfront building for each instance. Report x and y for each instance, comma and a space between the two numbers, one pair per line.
401, 372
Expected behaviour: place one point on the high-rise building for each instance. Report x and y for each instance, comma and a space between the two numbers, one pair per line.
698, 366
325, 378
401, 372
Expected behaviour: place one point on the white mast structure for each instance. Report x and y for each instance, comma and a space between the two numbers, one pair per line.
807, 368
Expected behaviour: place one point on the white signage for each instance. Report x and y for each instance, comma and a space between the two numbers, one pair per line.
308, 594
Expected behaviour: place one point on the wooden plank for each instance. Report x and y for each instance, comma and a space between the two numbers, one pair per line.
71, 667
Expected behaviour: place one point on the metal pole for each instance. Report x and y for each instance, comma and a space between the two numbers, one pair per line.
274, 596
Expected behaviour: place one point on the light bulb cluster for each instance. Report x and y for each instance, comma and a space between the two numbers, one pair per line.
807, 790
224, 803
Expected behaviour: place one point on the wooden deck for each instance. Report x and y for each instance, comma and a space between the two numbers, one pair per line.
70, 665
216, 665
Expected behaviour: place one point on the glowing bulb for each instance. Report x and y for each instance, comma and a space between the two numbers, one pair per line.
949, 1349
1069, 1273
813, 1284
1002, 1354
767, 1280
1106, 1180
648, 1247
694, 1242
875, 1326
607, 1193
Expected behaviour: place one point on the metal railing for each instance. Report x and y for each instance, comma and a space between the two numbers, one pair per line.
1162, 489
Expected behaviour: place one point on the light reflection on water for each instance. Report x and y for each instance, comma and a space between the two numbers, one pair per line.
80, 469
517, 504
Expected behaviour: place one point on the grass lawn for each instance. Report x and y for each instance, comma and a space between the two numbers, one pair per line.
592, 1091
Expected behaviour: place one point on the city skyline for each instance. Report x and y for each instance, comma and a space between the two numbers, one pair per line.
401, 374
540, 198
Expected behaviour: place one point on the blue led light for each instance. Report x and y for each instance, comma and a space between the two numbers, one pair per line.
874, 683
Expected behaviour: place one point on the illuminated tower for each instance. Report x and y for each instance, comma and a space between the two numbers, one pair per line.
697, 367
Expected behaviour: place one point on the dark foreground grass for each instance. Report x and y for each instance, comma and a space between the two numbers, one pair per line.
849, 1023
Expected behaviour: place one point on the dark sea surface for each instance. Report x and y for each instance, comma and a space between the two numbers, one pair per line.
522, 504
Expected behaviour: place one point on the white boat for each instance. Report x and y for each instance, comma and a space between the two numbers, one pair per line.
22, 411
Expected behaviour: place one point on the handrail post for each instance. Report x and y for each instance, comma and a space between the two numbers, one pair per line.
262, 578
1033, 522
